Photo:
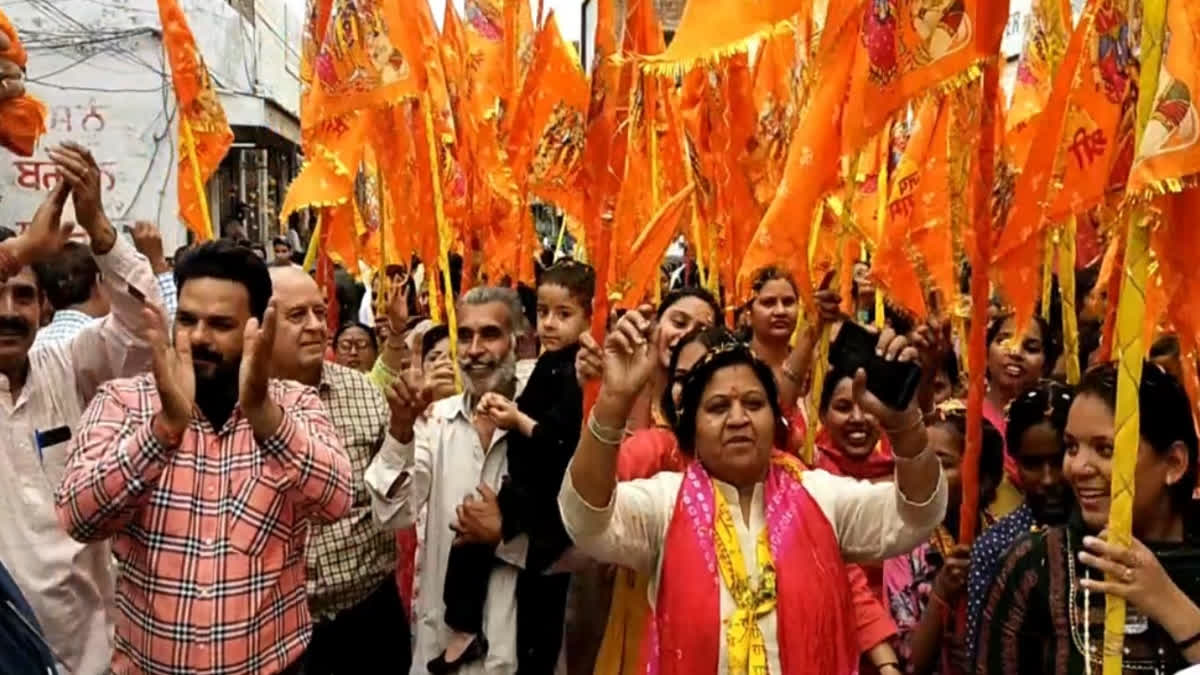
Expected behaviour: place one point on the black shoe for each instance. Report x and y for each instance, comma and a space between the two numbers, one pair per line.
474, 652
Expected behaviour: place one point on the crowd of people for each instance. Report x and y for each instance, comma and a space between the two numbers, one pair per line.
204, 479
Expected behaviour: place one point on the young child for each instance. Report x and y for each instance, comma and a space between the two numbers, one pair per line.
543, 429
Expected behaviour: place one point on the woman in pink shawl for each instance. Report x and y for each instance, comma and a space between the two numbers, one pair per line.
745, 548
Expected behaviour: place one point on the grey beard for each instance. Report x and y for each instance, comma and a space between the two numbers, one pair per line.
501, 379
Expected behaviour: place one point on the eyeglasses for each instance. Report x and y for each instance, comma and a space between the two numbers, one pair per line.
353, 345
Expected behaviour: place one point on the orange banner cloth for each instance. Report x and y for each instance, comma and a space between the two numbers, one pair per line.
710, 29
547, 137
22, 119
1170, 148
1046, 40
917, 203
204, 133
1089, 120
941, 44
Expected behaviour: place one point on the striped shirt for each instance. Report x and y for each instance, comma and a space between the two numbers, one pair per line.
209, 536
348, 559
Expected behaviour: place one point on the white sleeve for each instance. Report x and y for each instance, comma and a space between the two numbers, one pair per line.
398, 478
875, 521
631, 529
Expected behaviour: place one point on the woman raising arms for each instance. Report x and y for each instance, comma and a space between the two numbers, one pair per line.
745, 539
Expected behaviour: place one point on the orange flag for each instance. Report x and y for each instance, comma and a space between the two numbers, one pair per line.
710, 29
1091, 102
22, 119
1170, 148
1046, 39
897, 55
204, 133
359, 65
779, 91
1168, 160
315, 26
812, 167
719, 115
547, 138
916, 202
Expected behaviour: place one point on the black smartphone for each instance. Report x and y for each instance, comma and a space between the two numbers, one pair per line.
894, 383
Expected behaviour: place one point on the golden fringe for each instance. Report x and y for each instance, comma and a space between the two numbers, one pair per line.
1146, 197
656, 65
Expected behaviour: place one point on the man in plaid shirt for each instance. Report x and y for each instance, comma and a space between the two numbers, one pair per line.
205, 474
359, 621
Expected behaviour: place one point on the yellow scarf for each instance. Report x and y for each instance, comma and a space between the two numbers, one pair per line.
744, 639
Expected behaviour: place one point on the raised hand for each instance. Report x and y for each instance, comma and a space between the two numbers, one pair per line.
628, 356
589, 360
148, 241
172, 366
951, 580
891, 347
407, 398
827, 302
46, 234
81, 172
397, 303
258, 340
439, 381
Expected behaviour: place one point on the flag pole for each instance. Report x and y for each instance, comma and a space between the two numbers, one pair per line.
1131, 313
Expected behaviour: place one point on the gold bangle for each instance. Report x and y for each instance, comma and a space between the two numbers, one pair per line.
609, 436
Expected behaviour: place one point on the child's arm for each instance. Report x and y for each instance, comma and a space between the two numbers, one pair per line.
525, 424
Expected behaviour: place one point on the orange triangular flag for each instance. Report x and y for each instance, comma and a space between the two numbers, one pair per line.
1046, 39
898, 266
547, 138
897, 55
204, 133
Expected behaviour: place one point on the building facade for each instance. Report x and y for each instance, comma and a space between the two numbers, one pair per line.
101, 70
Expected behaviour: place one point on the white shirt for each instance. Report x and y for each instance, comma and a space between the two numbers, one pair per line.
870, 521
445, 463
69, 585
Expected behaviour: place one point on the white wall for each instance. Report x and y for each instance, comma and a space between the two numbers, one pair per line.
115, 96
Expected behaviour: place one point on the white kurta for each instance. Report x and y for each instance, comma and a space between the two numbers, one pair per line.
445, 463
871, 522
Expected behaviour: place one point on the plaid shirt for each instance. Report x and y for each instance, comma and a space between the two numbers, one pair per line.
350, 558
209, 537
68, 322
65, 325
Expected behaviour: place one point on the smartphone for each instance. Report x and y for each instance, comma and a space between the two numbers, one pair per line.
894, 383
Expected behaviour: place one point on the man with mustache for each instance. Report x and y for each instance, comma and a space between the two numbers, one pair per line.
206, 474
43, 393
452, 461
352, 595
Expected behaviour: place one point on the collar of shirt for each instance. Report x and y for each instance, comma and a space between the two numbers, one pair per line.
65, 324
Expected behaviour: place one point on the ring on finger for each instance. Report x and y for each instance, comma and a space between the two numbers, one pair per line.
1127, 575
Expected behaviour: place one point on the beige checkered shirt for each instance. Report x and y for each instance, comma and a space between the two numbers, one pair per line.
347, 560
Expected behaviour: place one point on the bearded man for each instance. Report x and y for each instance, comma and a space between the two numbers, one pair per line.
453, 461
